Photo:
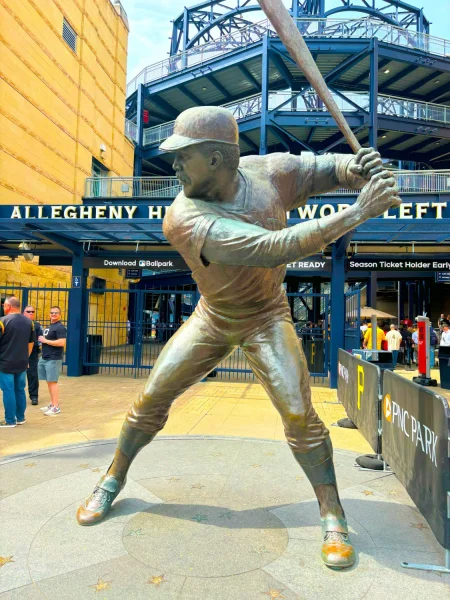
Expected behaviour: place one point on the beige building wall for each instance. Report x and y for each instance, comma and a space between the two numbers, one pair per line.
59, 109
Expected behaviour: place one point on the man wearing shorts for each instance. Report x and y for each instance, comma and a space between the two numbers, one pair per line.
229, 224
49, 367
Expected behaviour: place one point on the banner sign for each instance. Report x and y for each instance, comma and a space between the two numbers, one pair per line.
312, 263
359, 391
157, 210
415, 425
131, 262
398, 264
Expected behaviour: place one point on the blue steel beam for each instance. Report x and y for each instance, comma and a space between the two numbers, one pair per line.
249, 77
76, 324
282, 139
192, 97
421, 82
337, 312
281, 68
373, 95
210, 77
282, 132
264, 97
249, 142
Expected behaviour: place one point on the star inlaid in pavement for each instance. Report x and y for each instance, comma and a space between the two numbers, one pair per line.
199, 518
226, 515
367, 493
173, 479
274, 594
83, 465
101, 585
419, 526
30, 465
135, 533
97, 470
299, 478
261, 550
6, 559
197, 486
157, 580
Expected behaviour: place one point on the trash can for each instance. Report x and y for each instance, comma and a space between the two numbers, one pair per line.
444, 366
94, 347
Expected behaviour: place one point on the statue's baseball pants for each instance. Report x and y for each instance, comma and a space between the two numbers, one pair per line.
275, 356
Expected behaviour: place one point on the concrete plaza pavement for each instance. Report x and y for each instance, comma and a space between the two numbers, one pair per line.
209, 512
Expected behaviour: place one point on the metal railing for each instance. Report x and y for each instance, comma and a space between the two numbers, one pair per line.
310, 28
288, 101
409, 182
131, 130
132, 187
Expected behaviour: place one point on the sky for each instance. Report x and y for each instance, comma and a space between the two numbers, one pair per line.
150, 26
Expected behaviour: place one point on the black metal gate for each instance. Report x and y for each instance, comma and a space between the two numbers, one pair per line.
41, 298
127, 329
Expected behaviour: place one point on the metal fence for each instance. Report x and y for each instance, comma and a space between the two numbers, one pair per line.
311, 102
412, 182
41, 298
352, 331
132, 187
310, 28
126, 330
131, 130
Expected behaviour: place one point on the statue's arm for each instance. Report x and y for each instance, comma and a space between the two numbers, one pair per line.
332, 171
233, 242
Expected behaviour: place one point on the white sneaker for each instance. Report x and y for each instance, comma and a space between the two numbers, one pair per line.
53, 411
46, 408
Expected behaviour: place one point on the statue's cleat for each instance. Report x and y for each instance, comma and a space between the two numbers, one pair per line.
96, 507
337, 552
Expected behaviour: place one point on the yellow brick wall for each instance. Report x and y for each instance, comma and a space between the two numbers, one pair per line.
57, 107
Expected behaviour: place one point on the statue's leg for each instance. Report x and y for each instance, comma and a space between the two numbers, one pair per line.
278, 361
187, 358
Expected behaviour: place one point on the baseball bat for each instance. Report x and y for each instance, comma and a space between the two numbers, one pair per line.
291, 37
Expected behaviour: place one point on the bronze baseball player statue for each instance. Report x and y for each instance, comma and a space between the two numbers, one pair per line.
229, 224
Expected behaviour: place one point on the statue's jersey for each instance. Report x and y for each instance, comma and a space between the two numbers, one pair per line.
273, 185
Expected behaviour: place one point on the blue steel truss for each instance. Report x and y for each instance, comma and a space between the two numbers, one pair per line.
208, 20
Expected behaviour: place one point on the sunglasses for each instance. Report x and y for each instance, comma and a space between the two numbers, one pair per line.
30, 311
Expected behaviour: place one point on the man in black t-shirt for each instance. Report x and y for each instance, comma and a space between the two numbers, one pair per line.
17, 338
32, 371
49, 367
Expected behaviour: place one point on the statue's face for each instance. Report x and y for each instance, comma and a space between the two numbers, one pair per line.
194, 170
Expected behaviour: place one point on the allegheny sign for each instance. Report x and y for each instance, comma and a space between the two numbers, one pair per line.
408, 210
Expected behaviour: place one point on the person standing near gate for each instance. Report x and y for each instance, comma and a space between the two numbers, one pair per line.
49, 367
17, 338
32, 371
394, 340
229, 224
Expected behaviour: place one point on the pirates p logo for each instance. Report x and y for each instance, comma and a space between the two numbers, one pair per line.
387, 408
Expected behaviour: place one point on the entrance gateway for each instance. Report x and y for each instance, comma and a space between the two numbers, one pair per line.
126, 234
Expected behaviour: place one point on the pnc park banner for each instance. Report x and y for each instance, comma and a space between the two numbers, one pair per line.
415, 425
358, 391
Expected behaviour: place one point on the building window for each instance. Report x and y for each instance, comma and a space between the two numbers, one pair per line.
69, 35
100, 184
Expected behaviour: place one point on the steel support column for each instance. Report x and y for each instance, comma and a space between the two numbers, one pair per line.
140, 130
373, 95
76, 319
337, 311
264, 96
373, 289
